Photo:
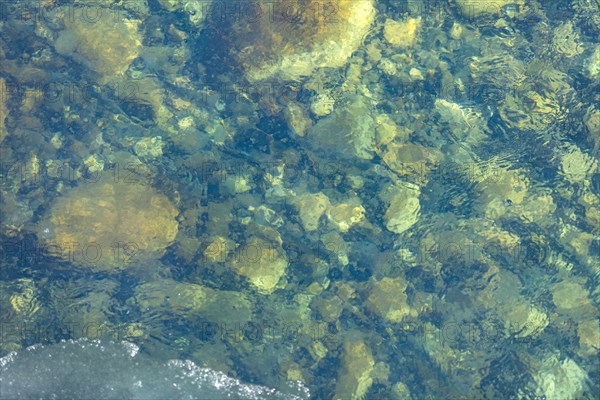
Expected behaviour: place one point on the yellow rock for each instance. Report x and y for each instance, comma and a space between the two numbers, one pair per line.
457, 30
107, 45
218, 249
110, 224
402, 34
576, 240
589, 337
569, 295
25, 302
400, 391
293, 38
403, 211
498, 192
345, 216
591, 202
297, 119
354, 380
190, 300
295, 375
387, 298
499, 236
322, 105
566, 41
593, 63
577, 166
524, 320
335, 244
310, 209
144, 92
412, 160
558, 379
328, 308
502, 296
592, 122
262, 262
537, 207
149, 147
388, 131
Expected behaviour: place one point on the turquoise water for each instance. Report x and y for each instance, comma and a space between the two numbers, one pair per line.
394, 201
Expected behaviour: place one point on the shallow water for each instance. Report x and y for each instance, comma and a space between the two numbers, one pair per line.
398, 200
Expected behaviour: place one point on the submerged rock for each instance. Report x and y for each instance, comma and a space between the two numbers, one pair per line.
192, 301
24, 301
297, 119
502, 297
561, 379
310, 209
577, 166
589, 337
289, 40
348, 132
108, 225
412, 160
401, 34
262, 262
404, 208
105, 43
354, 379
387, 298
498, 192
592, 122
566, 41
345, 215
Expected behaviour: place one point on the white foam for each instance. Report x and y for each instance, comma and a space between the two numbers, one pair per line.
108, 370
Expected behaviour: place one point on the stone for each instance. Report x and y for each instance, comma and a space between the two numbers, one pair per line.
105, 45
537, 207
592, 122
403, 210
402, 34
566, 41
593, 63
322, 105
310, 209
262, 262
218, 249
297, 119
412, 160
344, 216
589, 337
348, 132
300, 36
577, 166
499, 191
387, 298
354, 379
192, 301
569, 295
110, 224
560, 379
149, 147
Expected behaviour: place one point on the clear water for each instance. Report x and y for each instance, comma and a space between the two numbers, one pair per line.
489, 118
